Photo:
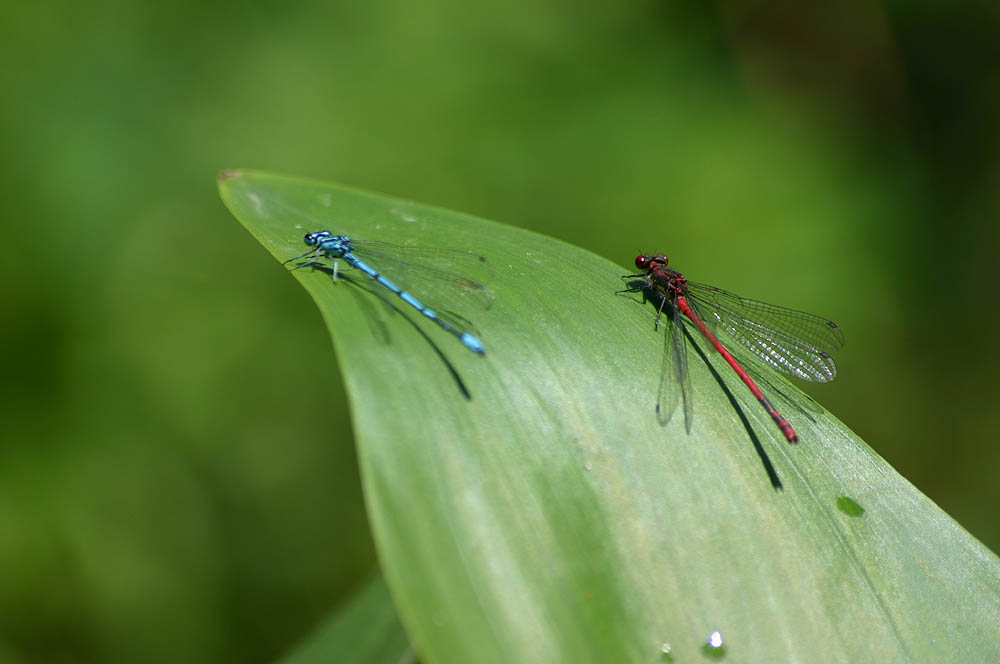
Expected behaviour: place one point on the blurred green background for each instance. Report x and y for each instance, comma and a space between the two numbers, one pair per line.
155, 504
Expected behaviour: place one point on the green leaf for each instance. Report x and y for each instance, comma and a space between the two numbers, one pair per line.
365, 630
550, 518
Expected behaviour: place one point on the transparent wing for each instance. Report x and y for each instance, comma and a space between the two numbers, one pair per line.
675, 380
683, 376
446, 280
792, 342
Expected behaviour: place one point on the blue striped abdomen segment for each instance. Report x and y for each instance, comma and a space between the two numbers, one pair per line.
469, 340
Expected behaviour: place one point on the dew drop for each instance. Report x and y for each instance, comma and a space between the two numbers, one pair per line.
714, 647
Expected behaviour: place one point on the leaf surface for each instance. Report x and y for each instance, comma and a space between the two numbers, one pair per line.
550, 518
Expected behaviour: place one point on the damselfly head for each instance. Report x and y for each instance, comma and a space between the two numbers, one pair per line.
643, 262
312, 239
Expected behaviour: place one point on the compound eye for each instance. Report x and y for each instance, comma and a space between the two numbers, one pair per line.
642, 261
310, 239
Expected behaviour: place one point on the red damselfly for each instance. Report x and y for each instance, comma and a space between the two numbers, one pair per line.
792, 342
